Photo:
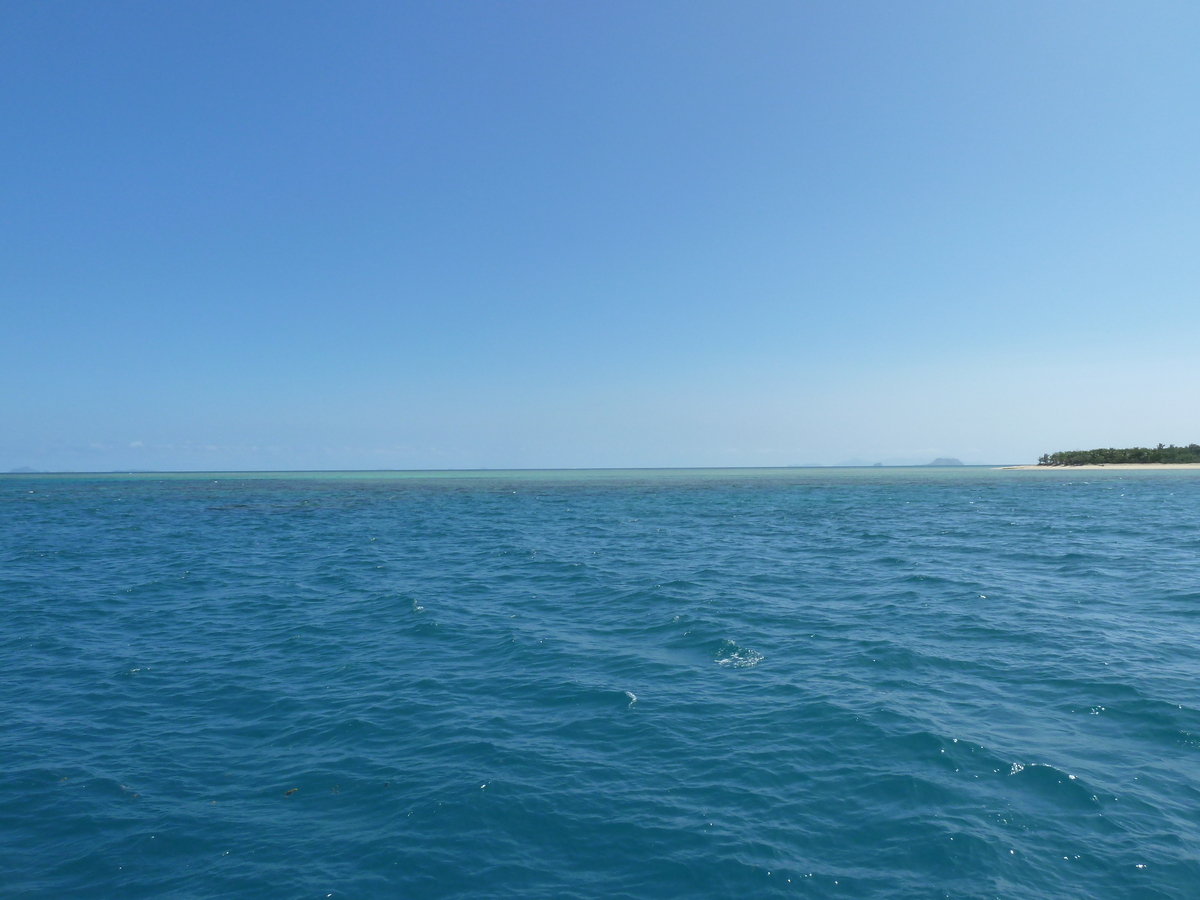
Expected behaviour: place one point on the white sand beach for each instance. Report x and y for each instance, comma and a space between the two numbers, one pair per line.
1137, 466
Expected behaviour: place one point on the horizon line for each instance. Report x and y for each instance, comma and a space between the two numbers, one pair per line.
488, 469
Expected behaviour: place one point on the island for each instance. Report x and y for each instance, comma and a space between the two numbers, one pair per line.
1108, 456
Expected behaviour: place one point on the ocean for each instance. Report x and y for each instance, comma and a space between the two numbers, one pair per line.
841, 683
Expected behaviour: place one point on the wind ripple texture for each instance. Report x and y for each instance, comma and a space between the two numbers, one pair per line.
901, 683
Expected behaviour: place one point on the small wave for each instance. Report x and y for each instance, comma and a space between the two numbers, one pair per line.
1053, 785
736, 657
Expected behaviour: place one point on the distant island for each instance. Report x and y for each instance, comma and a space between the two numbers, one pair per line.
945, 461
1127, 456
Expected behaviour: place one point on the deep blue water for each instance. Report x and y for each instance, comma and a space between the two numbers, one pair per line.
849, 683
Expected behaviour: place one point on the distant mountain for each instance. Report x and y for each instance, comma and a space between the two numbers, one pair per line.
946, 461
23, 470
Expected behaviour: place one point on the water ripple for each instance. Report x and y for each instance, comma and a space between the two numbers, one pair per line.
801, 683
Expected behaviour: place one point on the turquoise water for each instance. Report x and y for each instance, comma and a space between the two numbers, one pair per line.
896, 683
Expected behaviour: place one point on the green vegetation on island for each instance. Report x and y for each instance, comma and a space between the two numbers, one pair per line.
1113, 456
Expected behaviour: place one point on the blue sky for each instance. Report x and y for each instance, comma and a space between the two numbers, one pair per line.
360, 235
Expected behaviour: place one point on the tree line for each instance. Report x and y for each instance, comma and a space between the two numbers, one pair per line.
1112, 455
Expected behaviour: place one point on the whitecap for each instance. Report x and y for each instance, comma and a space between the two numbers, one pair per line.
736, 657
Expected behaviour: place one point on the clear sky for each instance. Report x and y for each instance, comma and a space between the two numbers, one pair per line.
510, 234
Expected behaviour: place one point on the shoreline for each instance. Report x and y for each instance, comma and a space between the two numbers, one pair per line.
1093, 466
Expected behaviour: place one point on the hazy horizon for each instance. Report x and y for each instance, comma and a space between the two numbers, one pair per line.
850, 464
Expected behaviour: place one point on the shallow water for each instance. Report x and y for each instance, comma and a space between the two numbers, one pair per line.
897, 683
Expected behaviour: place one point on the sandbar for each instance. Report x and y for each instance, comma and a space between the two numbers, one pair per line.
1136, 466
